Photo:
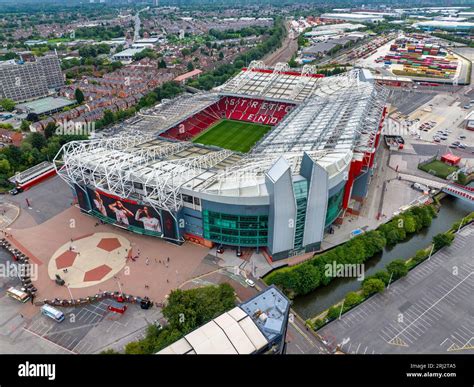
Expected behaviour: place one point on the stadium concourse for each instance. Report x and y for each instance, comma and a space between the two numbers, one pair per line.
269, 160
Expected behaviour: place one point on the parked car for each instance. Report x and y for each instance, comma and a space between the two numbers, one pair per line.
14, 191
249, 282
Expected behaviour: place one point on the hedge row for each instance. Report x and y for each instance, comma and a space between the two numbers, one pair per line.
307, 276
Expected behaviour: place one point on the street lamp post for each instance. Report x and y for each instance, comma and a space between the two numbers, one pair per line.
70, 293
390, 280
118, 283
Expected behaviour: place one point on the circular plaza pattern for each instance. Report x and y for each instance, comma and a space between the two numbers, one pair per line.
90, 260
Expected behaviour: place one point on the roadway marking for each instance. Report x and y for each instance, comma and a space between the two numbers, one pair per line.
436, 303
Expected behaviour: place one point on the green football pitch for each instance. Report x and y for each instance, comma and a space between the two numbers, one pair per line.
234, 135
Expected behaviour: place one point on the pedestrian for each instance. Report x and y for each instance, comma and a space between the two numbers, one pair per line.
168, 281
147, 287
168, 259
160, 261
147, 261
21, 315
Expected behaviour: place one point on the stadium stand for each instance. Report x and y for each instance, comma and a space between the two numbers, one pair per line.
233, 108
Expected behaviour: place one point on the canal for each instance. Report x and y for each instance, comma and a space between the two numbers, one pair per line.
322, 298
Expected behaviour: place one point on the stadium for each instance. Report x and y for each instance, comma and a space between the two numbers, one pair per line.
268, 160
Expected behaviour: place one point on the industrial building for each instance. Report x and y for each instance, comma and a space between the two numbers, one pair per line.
354, 17
257, 326
23, 81
444, 25
304, 174
126, 56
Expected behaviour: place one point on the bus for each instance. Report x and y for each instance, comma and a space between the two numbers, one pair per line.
53, 313
18, 294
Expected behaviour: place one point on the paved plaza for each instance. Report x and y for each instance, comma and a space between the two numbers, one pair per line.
429, 311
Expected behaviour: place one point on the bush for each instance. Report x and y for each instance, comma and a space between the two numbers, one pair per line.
318, 323
397, 269
420, 256
381, 275
371, 286
443, 239
352, 299
333, 312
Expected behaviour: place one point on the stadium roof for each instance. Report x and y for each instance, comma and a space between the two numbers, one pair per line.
280, 83
336, 121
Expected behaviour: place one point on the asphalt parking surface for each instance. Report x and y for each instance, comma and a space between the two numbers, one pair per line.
77, 324
47, 199
430, 310
93, 328
408, 101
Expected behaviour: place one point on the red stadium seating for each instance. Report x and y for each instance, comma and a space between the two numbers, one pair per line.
233, 108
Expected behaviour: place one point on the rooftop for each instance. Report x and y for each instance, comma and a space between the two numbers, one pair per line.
245, 329
44, 105
335, 122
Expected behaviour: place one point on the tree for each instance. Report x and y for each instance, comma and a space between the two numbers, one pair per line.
79, 95
7, 104
5, 167
50, 130
25, 125
185, 311
397, 269
32, 117
108, 118
443, 239
372, 286
162, 64
37, 140
190, 66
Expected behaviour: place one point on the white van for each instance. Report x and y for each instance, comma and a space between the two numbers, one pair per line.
53, 313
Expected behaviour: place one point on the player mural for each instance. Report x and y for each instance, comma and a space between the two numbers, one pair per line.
128, 213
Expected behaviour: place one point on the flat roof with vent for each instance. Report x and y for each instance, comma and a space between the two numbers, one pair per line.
245, 329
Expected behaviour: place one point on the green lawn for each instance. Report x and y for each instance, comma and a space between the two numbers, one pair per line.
438, 168
234, 135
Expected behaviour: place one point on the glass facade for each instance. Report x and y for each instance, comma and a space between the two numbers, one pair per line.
300, 189
237, 230
334, 207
